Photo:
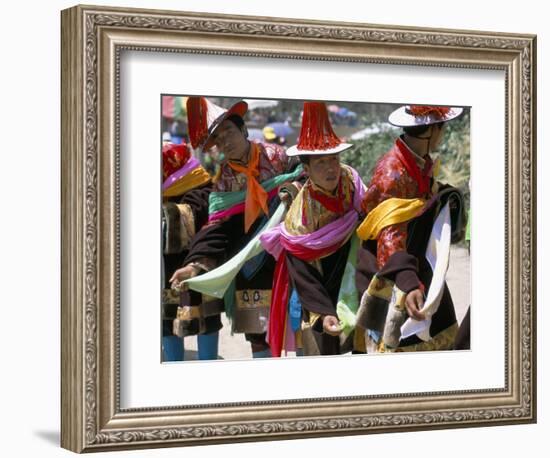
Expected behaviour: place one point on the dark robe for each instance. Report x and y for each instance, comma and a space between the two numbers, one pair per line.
318, 292
197, 199
411, 269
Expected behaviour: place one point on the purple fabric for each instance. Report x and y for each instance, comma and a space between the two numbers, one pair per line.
327, 236
190, 165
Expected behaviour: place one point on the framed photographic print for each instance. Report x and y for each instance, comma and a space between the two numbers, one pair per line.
131, 80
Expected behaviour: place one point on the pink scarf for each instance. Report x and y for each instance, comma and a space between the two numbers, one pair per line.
307, 247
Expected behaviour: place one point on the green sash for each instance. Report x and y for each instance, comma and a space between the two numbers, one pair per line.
219, 201
216, 282
348, 302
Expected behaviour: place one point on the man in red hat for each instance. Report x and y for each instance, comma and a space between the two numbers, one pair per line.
411, 221
316, 247
245, 194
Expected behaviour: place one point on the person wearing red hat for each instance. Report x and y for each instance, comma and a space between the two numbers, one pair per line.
411, 219
316, 247
185, 190
244, 196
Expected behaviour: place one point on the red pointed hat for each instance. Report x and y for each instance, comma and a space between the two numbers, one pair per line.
422, 115
204, 117
316, 135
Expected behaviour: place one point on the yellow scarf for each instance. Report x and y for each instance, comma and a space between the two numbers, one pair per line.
390, 211
195, 178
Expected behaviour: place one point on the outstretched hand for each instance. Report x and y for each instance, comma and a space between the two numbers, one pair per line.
181, 275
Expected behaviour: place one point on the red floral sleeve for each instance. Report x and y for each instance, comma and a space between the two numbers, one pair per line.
390, 179
391, 239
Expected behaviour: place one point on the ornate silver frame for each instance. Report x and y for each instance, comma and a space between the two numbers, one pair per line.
92, 40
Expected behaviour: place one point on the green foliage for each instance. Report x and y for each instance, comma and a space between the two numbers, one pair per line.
366, 152
454, 153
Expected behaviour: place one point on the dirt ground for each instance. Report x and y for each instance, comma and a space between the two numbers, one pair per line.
458, 279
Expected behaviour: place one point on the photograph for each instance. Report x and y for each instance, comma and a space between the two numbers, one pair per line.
294, 228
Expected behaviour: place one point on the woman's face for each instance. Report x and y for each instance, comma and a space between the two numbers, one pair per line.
324, 171
230, 140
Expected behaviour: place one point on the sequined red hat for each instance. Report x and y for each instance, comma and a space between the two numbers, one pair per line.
422, 115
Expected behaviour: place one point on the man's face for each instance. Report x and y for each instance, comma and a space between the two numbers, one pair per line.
324, 171
230, 140
438, 131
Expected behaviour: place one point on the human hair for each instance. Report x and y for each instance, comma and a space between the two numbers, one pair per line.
239, 122
304, 158
416, 131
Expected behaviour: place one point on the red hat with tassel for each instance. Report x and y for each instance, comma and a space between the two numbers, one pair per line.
204, 117
316, 135
422, 115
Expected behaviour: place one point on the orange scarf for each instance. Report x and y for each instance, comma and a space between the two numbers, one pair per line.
256, 196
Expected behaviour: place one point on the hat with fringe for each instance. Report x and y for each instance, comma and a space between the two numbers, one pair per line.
204, 117
316, 135
422, 115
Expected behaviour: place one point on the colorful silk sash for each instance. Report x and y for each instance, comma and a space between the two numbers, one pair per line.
309, 247
386, 213
222, 204
191, 175
437, 253
236, 209
216, 282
